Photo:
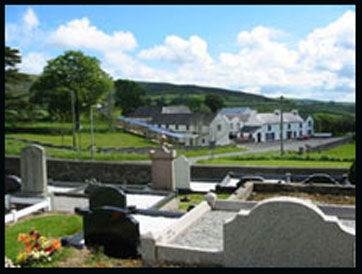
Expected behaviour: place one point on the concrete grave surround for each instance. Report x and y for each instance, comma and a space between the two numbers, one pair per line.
182, 173
287, 232
163, 173
33, 171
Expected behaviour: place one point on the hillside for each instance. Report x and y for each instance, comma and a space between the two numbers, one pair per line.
171, 92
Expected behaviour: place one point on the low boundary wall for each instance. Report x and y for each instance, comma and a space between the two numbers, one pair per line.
128, 172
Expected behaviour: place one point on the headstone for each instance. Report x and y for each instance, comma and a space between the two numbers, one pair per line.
301, 150
12, 184
288, 177
182, 173
287, 232
107, 196
163, 173
33, 171
320, 178
211, 198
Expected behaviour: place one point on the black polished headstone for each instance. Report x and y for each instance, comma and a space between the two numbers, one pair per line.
107, 196
12, 184
114, 229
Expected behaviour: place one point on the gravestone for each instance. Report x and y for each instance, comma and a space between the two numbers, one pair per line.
33, 172
107, 196
12, 184
182, 173
109, 223
163, 173
287, 232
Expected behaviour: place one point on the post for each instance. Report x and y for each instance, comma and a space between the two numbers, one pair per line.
91, 128
73, 118
281, 127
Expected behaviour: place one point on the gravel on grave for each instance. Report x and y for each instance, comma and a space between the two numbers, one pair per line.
207, 232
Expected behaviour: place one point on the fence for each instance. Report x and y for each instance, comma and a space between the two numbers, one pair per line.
14, 215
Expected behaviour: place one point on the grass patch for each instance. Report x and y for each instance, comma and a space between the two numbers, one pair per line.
14, 148
102, 140
342, 156
195, 199
206, 151
50, 226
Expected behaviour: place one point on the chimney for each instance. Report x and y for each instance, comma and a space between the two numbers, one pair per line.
277, 112
295, 112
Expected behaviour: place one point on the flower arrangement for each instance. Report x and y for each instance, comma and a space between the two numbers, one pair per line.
38, 249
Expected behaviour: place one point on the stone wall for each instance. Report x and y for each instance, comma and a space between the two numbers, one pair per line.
331, 144
79, 170
218, 172
140, 172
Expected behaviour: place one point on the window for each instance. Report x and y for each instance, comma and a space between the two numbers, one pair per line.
289, 126
237, 125
176, 127
269, 127
231, 126
218, 127
309, 123
300, 125
203, 140
187, 127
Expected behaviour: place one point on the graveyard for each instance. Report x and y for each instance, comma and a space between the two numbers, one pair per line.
298, 218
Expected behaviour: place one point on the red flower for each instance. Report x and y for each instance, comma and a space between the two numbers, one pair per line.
37, 236
37, 245
48, 249
31, 232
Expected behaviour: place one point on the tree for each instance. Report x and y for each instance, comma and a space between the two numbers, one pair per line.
71, 74
12, 58
214, 102
129, 95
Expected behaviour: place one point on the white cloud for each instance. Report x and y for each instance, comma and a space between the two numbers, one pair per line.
30, 19
33, 63
180, 51
79, 33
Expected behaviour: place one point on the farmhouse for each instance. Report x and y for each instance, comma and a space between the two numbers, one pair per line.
261, 127
201, 129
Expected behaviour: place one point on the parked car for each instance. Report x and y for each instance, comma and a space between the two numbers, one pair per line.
304, 137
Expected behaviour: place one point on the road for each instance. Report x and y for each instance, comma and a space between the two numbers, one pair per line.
268, 146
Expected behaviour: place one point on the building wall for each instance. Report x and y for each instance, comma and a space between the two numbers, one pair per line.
294, 128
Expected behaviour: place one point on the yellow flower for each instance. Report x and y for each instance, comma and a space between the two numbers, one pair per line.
21, 257
22, 237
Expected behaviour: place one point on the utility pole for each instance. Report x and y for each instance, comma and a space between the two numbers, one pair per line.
92, 132
281, 127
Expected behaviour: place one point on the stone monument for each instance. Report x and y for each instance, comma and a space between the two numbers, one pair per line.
33, 172
163, 169
182, 173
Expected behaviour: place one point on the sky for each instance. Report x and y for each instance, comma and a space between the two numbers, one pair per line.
298, 51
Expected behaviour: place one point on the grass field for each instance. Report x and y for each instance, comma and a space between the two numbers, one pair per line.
338, 157
50, 226
195, 199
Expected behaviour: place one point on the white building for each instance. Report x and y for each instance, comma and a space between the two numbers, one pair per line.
199, 129
261, 127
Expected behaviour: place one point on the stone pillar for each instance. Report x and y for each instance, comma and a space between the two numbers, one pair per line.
33, 172
182, 173
163, 173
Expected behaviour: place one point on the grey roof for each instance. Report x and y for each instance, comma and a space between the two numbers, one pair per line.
184, 119
271, 118
175, 109
144, 112
236, 110
244, 117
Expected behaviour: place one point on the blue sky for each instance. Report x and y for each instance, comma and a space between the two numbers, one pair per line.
297, 51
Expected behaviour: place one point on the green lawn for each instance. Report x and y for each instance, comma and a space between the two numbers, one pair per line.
195, 199
15, 147
50, 226
206, 151
102, 140
342, 156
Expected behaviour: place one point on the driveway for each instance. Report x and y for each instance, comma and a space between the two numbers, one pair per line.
268, 146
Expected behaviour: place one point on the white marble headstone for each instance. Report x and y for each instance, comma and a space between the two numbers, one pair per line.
287, 232
182, 172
